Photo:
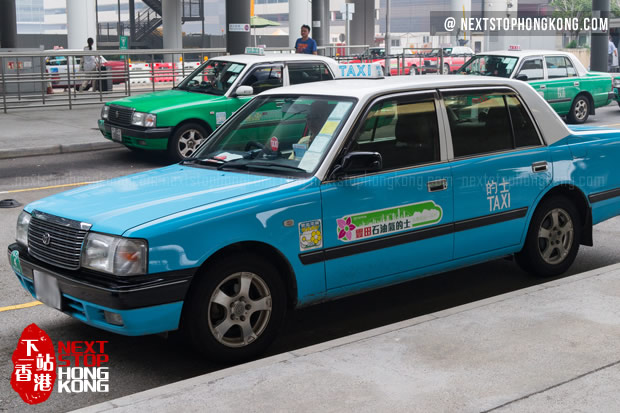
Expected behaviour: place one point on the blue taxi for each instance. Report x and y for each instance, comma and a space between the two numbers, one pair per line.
318, 191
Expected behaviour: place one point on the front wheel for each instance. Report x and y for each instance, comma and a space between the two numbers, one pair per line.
553, 238
185, 140
236, 309
580, 110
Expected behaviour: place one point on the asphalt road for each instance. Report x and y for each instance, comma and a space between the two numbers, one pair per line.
140, 363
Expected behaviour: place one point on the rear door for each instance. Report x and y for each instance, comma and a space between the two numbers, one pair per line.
499, 167
561, 88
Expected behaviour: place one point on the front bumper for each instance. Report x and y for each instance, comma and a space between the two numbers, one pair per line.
615, 95
148, 304
146, 138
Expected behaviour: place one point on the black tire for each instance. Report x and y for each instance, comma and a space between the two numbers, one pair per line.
562, 250
203, 317
579, 110
185, 139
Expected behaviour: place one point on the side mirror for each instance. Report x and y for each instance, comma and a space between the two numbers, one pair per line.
358, 162
244, 91
522, 76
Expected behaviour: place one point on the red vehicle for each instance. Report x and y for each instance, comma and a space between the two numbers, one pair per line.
453, 59
57, 66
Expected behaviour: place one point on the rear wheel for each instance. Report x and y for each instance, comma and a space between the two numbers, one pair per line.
185, 140
236, 309
553, 238
580, 110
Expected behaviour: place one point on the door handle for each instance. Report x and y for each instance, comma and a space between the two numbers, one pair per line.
576, 84
543, 86
539, 166
438, 185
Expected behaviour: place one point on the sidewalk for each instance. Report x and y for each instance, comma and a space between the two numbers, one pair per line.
553, 347
46, 131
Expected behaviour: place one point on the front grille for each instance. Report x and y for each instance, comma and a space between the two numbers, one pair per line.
55, 240
120, 115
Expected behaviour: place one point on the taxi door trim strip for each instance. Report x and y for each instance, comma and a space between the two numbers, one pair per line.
347, 250
605, 195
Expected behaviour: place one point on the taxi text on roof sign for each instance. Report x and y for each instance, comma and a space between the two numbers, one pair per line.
361, 70
514, 47
259, 51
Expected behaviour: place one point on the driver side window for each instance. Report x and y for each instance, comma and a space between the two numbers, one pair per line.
264, 78
533, 69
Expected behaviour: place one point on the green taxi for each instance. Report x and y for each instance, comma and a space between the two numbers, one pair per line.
179, 120
616, 89
559, 77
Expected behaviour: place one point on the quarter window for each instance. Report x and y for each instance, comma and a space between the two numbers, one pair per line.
570, 68
305, 73
485, 123
403, 131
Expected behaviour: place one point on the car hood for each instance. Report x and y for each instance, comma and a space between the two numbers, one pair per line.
116, 205
160, 101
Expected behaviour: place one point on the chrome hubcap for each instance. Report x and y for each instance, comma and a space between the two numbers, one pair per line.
581, 109
189, 141
555, 236
239, 309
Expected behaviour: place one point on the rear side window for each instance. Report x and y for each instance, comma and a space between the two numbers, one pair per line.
307, 72
485, 123
570, 68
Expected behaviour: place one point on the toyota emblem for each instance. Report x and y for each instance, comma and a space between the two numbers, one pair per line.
47, 238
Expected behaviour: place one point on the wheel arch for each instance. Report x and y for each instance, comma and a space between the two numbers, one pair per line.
579, 199
201, 122
263, 249
590, 100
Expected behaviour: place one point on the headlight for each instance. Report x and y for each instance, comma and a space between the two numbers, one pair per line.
104, 111
616, 82
21, 234
115, 255
144, 119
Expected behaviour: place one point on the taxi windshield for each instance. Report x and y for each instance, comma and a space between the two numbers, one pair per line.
214, 78
489, 65
277, 134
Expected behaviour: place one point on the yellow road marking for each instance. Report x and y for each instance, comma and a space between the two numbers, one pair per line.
47, 187
19, 306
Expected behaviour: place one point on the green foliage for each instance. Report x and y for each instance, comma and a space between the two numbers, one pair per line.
572, 44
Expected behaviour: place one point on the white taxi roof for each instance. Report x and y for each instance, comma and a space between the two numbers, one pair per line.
552, 126
273, 57
527, 53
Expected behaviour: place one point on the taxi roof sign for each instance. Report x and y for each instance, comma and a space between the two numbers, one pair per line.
514, 48
259, 51
361, 71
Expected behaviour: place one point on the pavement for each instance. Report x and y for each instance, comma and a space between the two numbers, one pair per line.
48, 131
552, 347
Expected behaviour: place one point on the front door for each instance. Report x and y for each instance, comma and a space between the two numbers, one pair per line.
499, 167
399, 219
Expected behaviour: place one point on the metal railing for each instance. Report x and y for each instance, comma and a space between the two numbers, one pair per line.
26, 81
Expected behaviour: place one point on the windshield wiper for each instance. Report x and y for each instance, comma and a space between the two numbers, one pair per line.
275, 165
246, 164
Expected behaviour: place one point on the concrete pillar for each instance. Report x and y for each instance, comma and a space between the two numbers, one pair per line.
320, 22
600, 40
81, 23
363, 23
237, 13
8, 25
172, 13
299, 13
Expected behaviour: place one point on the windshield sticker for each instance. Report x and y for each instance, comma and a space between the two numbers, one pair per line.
319, 143
330, 127
340, 110
310, 235
220, 117
235, 68
498, 195
299, 149
310, 159
388, 221
227, 156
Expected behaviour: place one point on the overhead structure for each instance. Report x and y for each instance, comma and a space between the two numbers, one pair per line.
237, 25
81, 22
363, 23
172, 13
8, 25
299, 13
320, 22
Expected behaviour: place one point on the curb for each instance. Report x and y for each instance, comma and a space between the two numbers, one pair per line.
57, 149
169, 390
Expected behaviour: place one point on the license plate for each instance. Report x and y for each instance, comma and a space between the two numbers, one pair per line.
117, 135
46, 289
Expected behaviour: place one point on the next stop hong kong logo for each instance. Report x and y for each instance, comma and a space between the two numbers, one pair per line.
79, 366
